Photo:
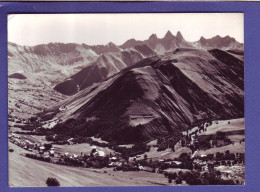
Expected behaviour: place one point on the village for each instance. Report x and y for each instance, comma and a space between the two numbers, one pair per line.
201, 150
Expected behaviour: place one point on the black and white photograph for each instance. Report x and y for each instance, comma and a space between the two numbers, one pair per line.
136, 99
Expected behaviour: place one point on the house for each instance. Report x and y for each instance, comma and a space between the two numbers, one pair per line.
198, 154
115, 164
99, 153
113, 159
194, 139
70, 142
41, 149
140, 167
177, 162
66, 154
51, 153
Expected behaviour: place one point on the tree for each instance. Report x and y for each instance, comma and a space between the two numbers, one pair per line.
52, 182
47, 146
227, 154
33, 119
229, 163
220, 135
93, 150
184, 157
210, 156
179, 180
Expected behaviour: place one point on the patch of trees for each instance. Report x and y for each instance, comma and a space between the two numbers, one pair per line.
126, 167
47, 116
41, 158
168, 141
225, 156
47, 146
204, 141
137, 149
17, 76
33, 119
57, 138
85, 161
80, 128
29, 133
197, 178
52, 182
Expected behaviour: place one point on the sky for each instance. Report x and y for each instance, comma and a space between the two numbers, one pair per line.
95, 29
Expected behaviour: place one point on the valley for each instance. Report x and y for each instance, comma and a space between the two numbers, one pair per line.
162, 111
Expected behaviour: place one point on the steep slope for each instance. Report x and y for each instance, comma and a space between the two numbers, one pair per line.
161, 95
105, 66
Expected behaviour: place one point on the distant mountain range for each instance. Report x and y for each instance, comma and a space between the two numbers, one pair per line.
56, 63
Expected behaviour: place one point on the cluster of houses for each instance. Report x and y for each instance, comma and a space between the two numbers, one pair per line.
12, 121
21, 142
29, 145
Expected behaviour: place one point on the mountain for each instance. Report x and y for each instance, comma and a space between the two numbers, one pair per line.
57, 64
159, 95
226, 43
131, 43
101, 49
168, 43
105, 66
48, 64
114, 61
34, 70
70, 68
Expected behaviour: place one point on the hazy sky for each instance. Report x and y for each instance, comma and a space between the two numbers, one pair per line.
93, 29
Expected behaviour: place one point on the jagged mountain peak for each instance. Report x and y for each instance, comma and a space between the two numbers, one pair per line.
179, 36
111, 44
130, 43
202, 38
153, 37
168, 35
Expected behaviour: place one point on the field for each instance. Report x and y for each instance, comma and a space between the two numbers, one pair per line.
234, 128
223, 126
